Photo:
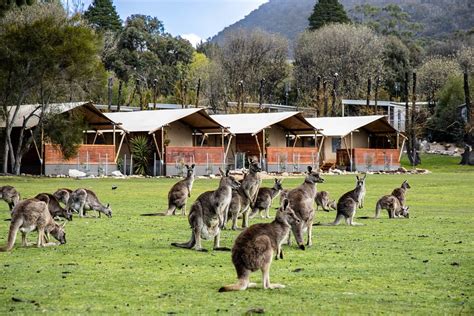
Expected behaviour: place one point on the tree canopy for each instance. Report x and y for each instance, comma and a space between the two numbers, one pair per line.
326, 12
103, 16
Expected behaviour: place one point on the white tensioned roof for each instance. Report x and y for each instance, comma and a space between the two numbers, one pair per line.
151, 121
253, 123
342, 126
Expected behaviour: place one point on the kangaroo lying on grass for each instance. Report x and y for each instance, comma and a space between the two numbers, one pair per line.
347, 204
255, 247
10, 195
63, 195
322, 200
393, 207
30, 215
301, 201
179, 193
54, 207
82, 200
207, 214
265, 198
401, 192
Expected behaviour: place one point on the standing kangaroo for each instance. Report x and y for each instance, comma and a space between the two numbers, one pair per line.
180, 192
63, 195
301, 201
401, 192
393, 207
54, 207
348, 202
10, 195
322, 200
243, 198
30, 215
83, 199
207, 214
255, 247
264, 199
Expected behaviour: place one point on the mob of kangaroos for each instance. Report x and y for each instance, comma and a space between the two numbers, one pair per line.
10, 195
55, 209
82, 200
394, 203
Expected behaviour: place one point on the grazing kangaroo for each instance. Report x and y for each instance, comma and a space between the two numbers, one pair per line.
265, 198
347, 204
82, 200
256, 246
10, 195
401, 192
322, 200
393, 207
30, 215
63, 195
301, 201
179, 193
243, 198
207, 214
54, 207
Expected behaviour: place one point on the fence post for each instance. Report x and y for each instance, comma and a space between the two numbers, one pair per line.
154, 164
125, 164
131, 164
87, 160
106, 164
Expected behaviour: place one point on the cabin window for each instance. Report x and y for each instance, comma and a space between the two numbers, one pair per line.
336, 144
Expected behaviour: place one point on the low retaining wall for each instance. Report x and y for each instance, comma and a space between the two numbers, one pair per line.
369, 159
291, 159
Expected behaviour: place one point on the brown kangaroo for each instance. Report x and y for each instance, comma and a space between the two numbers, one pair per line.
54, 207
322, 200
180, 192
10, 195
265, 198
401, 192
255, 247
347, 204
207, 214
30, 215
393, 207
63, 195
301, 201
82, 200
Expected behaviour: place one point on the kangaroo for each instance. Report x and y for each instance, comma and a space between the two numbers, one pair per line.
401, 192
207, 214
30, 215
255, 247
84, 199
393, 207
244, 197
264, 199
54, 207
347, 204
301, 201
10, 195
322, 200
180, 192
63, 195
362, 192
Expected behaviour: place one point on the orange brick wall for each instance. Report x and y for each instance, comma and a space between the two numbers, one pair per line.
94, 154
196, 155
306, 155
369, 156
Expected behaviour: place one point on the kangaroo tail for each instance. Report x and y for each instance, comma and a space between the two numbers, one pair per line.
187, 245
242, 284
14, 226
378, 207
339, 218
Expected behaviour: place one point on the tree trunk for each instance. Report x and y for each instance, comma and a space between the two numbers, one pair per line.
465, 157
413, 154
119, 95
467, 97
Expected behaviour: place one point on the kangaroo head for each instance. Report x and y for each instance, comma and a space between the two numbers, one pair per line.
228, 180
277, 186
254, 166
360, 181
67, 214
59, 233
190, 170
286, 214
405, 212
405, 185
108, 210
313, 176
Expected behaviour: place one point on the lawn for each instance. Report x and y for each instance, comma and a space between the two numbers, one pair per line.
125, 264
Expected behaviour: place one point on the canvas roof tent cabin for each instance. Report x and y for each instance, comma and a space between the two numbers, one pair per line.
362, 143
45, 158
176, 137
274, 137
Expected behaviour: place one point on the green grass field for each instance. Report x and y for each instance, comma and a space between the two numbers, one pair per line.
125, 264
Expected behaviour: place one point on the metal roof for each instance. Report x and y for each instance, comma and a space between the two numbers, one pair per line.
151, 121
342, 126
253, 123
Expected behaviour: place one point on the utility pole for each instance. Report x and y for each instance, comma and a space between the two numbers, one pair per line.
198, 91
155, 85
376, 96
110, 83
334, 94
318, 88
369, 88
241, 95
262, 82
325, 84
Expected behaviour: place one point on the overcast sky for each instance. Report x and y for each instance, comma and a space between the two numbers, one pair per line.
192, 19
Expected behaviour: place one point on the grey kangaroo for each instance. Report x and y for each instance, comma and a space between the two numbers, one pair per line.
180, 192
243, 198
55, 209
30, 215
10, 195
322, 200
302, 201
348, 202
82, 200
256, 246
400, 193
63, 195
265, 198
393, 207
207, 214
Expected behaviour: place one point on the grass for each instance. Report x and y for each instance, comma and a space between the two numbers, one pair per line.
423, 265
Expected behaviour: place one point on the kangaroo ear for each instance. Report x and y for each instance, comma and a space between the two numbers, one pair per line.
310, 169
221, 171
108, 205
357, 177
285, 203
365, 176
187, 166
192, 166
276, 180
227, 172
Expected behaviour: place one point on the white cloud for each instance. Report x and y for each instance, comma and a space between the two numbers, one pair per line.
192, 38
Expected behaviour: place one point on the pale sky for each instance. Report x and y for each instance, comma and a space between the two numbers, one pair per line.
192, 19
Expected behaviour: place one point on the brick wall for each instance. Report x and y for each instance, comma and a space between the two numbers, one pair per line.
303, 155
196, 155
91, 154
